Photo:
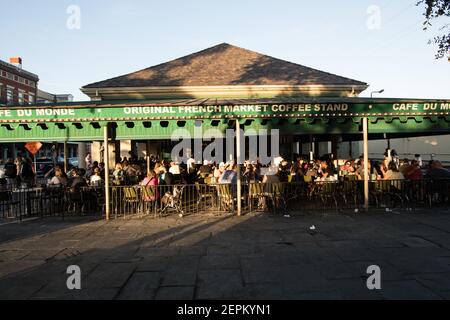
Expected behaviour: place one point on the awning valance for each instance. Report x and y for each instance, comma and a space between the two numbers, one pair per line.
158, 120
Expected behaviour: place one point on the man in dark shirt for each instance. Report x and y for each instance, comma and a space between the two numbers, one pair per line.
326, 169
437, 171
77, 181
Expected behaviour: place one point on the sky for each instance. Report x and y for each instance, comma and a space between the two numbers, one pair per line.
378, 42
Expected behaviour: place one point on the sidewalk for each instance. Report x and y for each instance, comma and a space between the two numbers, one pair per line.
258, 256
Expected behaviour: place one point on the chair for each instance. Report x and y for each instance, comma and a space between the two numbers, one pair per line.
327, 191
149, 199
52, 199
226, 199
256, 191
349, 190
390, 188
277, 196
75, 200
131, 199
209, 180
204, 192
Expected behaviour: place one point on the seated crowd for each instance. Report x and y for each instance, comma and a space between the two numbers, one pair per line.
133, 171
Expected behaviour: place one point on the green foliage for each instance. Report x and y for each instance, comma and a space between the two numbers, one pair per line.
435, 9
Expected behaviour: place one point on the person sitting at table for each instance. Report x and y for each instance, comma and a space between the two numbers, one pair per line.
77, 181
118, 174
360, 171
95, 179
414, 172
437, 171
2, 174
151, 180
250, 174
175, 170
218, 171
58, 179
348, 168
165, 177
326, 171
393, 173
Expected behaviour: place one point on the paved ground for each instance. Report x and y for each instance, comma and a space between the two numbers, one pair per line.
253, 257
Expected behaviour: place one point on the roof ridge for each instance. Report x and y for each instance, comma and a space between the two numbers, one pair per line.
238, 72
160, 64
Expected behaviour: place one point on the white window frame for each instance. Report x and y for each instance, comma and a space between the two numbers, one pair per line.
9, 98
31, 99
21, 97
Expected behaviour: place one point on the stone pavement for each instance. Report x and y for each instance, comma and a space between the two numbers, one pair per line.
258, 256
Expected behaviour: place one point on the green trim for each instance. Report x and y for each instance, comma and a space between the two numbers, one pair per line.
153, 130
157, 120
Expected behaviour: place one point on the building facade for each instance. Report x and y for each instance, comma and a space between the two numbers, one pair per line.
224, 72
20, 87
44, 97
17, 86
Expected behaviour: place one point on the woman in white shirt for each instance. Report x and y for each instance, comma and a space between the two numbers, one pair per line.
58, 179
95, 179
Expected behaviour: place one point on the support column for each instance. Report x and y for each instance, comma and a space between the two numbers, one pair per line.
96, 151
366, 162
350, 149
65, 156
335, 146
106, 150
147, 154
238, 160
82, 155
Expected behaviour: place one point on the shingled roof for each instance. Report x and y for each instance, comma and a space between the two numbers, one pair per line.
225, 65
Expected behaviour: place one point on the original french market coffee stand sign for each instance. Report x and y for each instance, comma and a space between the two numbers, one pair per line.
147, 111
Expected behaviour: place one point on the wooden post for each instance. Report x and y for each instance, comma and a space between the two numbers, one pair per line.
65, 156
147, 154
366, 162
238, 172
106, 156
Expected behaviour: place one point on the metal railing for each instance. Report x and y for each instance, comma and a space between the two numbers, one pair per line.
24, 203
184, 199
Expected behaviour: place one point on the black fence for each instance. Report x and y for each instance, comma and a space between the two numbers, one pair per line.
158, 201
24, 203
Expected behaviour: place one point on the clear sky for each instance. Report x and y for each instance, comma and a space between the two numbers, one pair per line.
382, 45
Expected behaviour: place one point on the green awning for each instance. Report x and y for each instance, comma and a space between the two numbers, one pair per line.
142, 120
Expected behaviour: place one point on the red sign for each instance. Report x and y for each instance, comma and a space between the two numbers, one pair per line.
33, 147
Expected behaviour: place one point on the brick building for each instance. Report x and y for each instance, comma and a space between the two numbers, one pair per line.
17, 86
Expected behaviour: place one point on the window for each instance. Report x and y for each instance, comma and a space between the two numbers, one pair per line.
9, 96
21, 97
30, 99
